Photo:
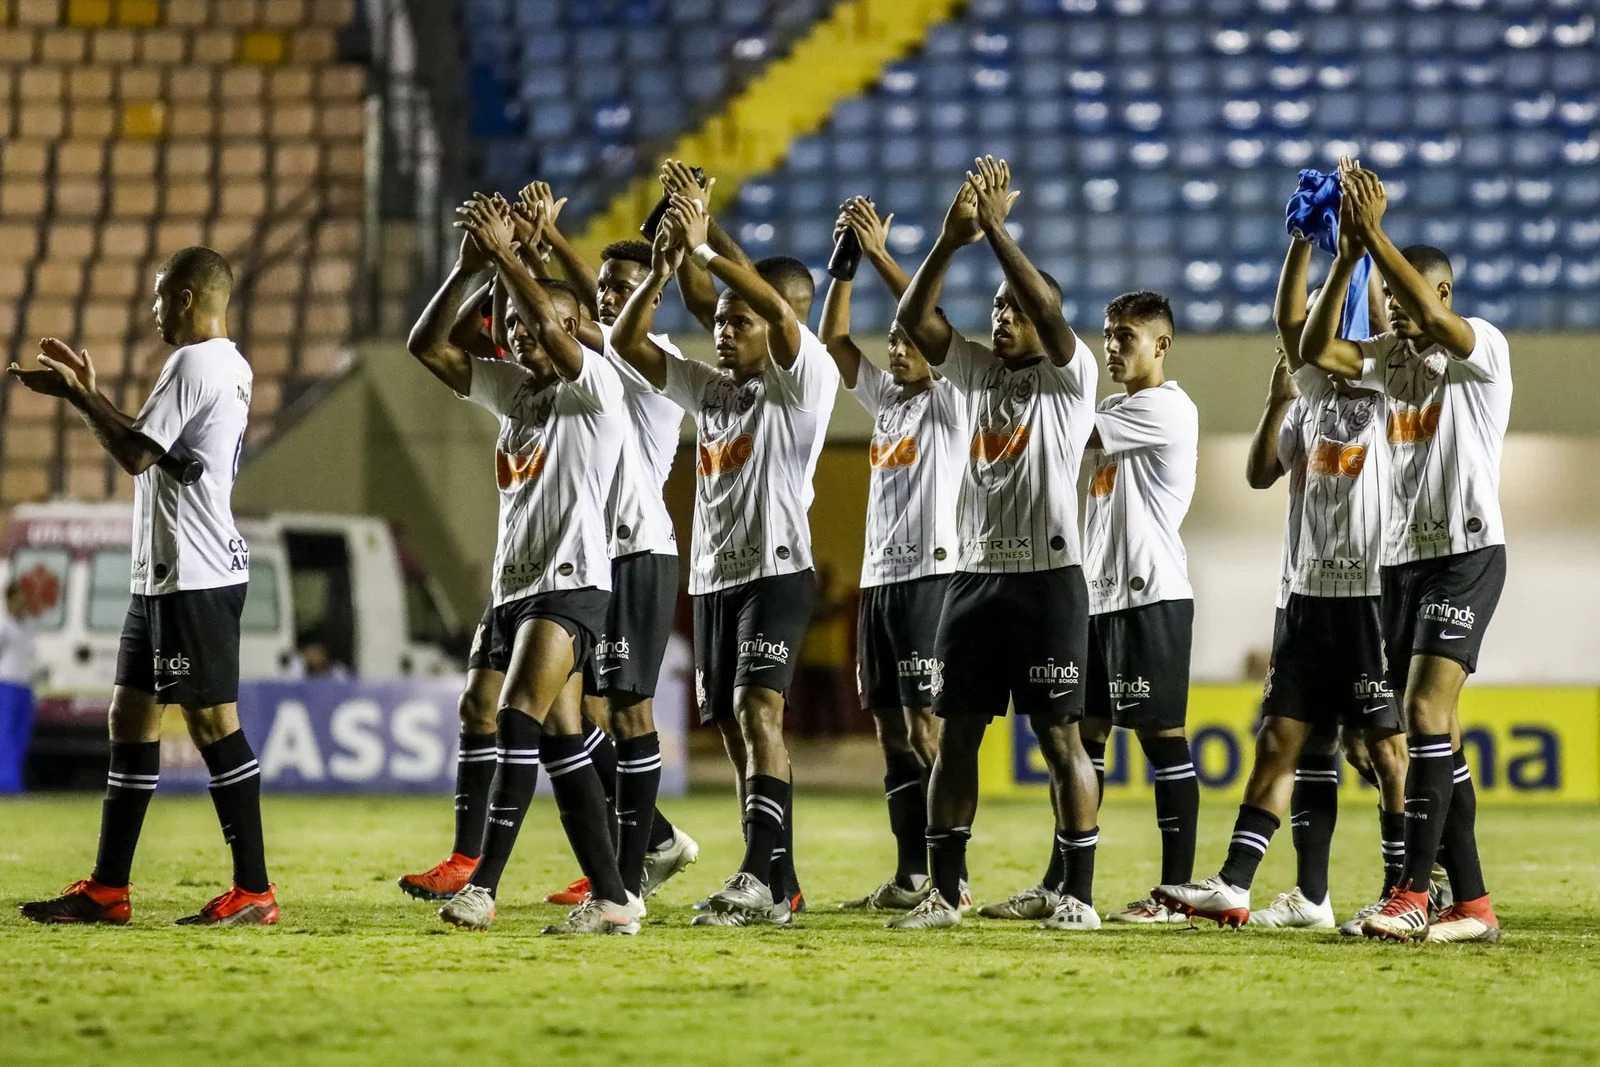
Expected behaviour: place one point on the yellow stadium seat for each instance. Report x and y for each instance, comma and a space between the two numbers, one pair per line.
88, 13
138, 12
261, 47
145, 121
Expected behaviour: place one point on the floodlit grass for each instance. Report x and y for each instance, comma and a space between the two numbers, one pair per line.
357, 973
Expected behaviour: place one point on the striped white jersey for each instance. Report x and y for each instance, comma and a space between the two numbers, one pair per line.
1292, 458
1144, 474
1336, 456
757, 443
636, 512
553, 461
1017, 511
1446, 427
918, 455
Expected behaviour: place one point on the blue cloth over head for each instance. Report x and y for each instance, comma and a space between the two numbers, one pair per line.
1313, 216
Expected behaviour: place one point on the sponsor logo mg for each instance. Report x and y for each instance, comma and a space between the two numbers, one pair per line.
991, 447
722, 457
1337, 459
1445, 612
886, 454
1408, 426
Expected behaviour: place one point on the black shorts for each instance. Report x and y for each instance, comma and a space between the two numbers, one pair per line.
1139, 665
1022, 637
482, 635
183, 647
644, 597
580, 612
1327, 666
1440, 607
895, 632
749, 634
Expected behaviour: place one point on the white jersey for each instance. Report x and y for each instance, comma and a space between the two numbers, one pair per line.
1446, 427
1292, 458
1144, 473
758, 443
16, 650
1018, 507
184, 536
553, 461
636, 512
1331, 446
918, 455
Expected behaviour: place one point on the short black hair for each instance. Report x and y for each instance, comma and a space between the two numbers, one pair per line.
1141, 306
1055, 287
1429, 260
786, 272
634, 251
564, 296
200, 270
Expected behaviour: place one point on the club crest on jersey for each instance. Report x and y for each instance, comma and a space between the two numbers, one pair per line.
699, 687
1407, 426
534, 408
1346, 418
1366, 688
726, 398
1023, 387
1443, 611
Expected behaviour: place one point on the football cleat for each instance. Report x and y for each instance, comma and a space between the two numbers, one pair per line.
1293, 911
1150, 911
660, 866
235, 908
965, 903
472, 908
576, 893
84, 901
1210, 898
600, 918
933, 913
1404, 916
778, 914
741, 892
1468, 920
1072, 914
797, 903
1036, 903
442, 881
1440, 895
1352, 927
890, 896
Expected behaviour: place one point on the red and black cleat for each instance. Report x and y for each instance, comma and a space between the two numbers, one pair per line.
441, 881
576, 893
85, 901
236, 907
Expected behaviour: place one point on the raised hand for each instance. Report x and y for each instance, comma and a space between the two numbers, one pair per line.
539, 193
1364, 192
62, 373
872, 231
961, 221
991, 185
677, 179
1351, 243
488, 222
667, 250
1283, 388
690, 218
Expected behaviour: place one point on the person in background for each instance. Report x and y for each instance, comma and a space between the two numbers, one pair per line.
16, 685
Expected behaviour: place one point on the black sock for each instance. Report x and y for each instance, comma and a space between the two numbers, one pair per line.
662, 832
603, 753
1428, 789
1313, 812
766, 801
236, 794
581, 800
1097, 756
1392, 838
908, 815
638, 781
947, 859
516, 773
1252, 833
1459, 849
130, 783
474, 776
1077, 861
785, 882
1177, 805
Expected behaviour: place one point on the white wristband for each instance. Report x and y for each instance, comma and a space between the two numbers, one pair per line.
703, 255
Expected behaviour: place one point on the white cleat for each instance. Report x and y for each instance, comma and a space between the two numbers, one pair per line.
600, 917
1212, 898
1148, 912
1036, 903
890, 896
773, 915
1352, 927
1072, 914
742, 892
933, 913
965, 903
1456, 926
472, 908
1293, 911
661, 866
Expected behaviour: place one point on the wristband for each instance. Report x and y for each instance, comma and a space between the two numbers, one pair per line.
703, 255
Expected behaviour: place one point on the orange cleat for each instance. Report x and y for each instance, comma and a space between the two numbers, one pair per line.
576, 893
236, 908
1466, 920
441, 882
85, 901
1404, 917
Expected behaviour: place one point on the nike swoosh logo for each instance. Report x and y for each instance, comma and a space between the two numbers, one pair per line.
1059, 692
608, 670
924, 686
1374, 709
493, 807
1452, 637
1125, 707
764, 666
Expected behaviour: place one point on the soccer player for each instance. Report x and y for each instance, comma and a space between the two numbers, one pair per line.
562, 427
1448, 383
180, 641
1015, 621
919, 437
761, 415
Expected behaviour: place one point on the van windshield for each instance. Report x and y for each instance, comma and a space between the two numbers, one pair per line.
109, 573
261, 601
43, 574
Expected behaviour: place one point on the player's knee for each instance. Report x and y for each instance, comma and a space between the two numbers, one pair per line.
477, 712
133, 720
893, 734
1388, 758
1428, 712
1277, 744
631, 715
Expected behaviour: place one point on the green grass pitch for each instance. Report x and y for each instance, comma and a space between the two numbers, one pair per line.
357, 973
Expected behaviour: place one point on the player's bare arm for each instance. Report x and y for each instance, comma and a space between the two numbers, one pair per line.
694, 282
873, 233
538, 203
1289, 306
1262, 468
430, 342
834, 330
783, 333
630, 334
918, 313
1320, 343
489, 222
469, 332
1426, 304
71, 376
991, 186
